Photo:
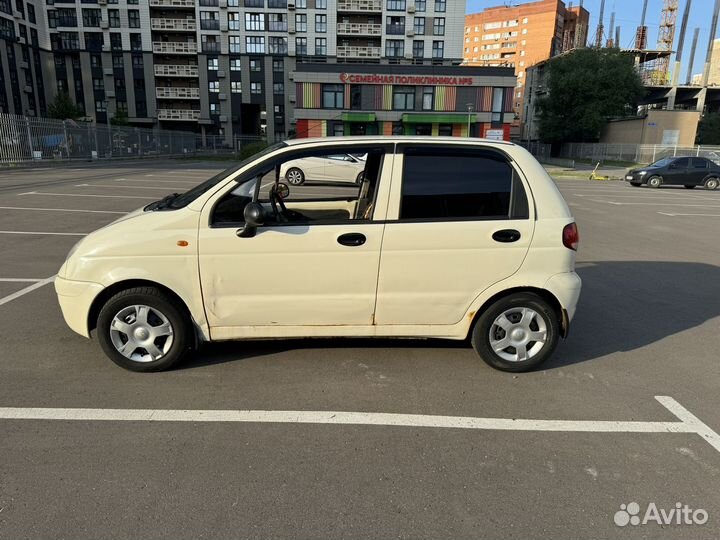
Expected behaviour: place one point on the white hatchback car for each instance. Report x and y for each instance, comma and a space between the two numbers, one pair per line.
341, 168
445, 238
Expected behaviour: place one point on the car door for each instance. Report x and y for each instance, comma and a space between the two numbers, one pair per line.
341, 168
698, 170
677, 172
461, 223
315, 273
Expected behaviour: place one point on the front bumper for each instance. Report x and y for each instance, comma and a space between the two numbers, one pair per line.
636, 178
75, 298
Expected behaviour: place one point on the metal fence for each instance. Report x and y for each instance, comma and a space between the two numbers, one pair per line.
27, 139
631, 153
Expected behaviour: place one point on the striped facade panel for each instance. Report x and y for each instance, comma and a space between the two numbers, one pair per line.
387, 128
484, 99
509, 93
346, 94
308, 95
317, 128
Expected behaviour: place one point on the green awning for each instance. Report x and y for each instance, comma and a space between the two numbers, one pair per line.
358, 117
436, 118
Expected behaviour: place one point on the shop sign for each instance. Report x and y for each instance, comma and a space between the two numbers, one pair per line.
419, 80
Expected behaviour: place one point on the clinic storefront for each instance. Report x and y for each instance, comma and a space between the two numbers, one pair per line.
344, 99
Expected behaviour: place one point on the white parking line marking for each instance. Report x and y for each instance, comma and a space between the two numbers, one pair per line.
688, 422
616, 203
699, 215
85, 195
19, 280
60, 210
45, 233
658, 197
156, 188
193, 182
28, 289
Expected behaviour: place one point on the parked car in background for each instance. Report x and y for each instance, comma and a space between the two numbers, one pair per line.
677, 171
341, 168
450, 238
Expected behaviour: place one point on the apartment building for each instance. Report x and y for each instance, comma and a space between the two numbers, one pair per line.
216, 67
521, 36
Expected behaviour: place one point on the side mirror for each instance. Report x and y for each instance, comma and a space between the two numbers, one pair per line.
254, 215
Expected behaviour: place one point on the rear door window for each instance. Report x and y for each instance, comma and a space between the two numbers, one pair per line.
699, 163
448, 185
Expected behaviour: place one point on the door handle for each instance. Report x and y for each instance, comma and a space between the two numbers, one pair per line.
506, 236
352, 239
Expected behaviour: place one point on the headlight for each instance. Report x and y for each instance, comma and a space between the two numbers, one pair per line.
642, 173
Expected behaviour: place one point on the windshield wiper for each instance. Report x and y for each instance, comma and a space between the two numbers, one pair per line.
162, 203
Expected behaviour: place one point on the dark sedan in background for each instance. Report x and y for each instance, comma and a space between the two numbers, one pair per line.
677, 171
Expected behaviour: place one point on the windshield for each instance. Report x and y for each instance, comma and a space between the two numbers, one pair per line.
189, 196
661, 162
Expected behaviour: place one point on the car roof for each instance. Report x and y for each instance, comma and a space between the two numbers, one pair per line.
370, 139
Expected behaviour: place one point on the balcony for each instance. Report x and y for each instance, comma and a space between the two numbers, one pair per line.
209, 24
359, 29
178, 114
172, 3
174, 70
175, 47
185, 25
359, 5
358, 52
172, 92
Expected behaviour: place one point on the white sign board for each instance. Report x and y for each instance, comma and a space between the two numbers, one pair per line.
671, 137
495, 134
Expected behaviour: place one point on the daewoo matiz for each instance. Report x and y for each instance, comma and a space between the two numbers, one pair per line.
444, 237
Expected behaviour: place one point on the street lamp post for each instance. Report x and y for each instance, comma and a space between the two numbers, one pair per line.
109, 128
470, 108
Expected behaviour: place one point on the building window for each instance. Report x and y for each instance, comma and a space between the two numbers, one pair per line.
118, 61
418, 48
255, 22
91, 17
255, 45
301, 22
255, 65
278, 45
214, 109
428, 97
98, 85
439, 26
255, 3
396, 5
333, 96
419, 26
133, 18
95, 61
282, 4
321, 23
301, 4
116, 41
235, 64
321, 46
233, 21
255, 88
277, 22
320, 4
93, 41
137, 62
356, 97
31, 14
395, 26
212, 63
209, 43
114, 18
214, 86
420, 5
119, 83
100, 106
301, 46
278, 88
438, 50
136, 42
209, 20
440, 6
234, 44
394, 48
236, 87
403, 98
278, 65
497, 105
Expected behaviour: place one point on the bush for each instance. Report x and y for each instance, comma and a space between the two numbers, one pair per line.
251, 149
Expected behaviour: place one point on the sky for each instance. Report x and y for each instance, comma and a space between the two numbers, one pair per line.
627, 16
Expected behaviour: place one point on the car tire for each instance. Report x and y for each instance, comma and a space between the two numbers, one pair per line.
147, 312
654, 182
689, 187
295, 176
711, 183
359, 178
489, 333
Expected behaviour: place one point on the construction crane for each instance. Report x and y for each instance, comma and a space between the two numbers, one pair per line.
641, 33
666, 37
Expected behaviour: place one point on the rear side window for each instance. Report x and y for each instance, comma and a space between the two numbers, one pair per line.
460, 185
699, 163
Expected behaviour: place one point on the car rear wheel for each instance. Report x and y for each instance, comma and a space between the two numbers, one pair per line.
689, 187
144, 329
654, 182
295, 176
517, 333
711, 183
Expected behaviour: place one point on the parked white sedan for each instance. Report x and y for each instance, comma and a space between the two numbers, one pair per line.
341, 168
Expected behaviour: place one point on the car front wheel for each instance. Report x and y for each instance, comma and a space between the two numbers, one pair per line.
517, 333
654, 182
144, 329
711, 183
295, 177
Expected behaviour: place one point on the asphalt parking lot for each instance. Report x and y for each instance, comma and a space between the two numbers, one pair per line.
607, 421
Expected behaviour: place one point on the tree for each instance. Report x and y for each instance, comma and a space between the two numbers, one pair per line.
585, 88
709, 129
62, 107
119, 119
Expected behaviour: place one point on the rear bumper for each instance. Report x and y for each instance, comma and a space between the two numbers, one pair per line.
566, 288
75, 298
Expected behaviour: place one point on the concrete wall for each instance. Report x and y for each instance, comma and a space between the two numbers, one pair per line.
658, 127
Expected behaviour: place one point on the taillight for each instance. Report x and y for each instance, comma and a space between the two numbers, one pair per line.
570, 236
